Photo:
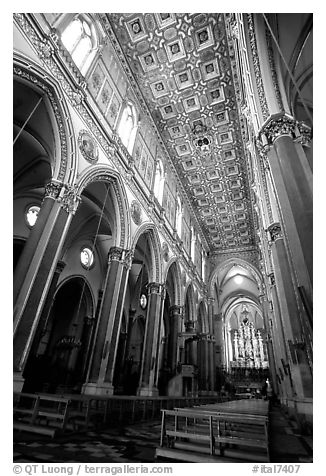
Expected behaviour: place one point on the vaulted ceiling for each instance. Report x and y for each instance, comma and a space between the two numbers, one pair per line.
183, 67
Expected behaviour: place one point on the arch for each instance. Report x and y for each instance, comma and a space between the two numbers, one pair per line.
155, 274
230, 262
106, 174
234, 301
61, 347
64, 167
176, 278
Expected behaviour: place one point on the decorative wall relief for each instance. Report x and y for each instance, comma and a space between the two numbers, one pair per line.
87, 147
165, 252
136, 212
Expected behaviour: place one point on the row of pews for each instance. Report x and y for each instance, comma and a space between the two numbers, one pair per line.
221, 432
52, 414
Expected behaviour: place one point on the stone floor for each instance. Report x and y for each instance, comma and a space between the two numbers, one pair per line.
136, 444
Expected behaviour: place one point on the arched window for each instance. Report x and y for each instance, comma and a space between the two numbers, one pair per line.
81, 41
159, 181
128, 126
179, 217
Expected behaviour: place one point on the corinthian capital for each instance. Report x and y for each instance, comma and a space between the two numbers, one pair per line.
277, 126
115, 254
70, 199
275, 231
53, 189
156, 288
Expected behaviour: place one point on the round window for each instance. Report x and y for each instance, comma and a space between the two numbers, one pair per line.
143, 301
32, 214
86, 257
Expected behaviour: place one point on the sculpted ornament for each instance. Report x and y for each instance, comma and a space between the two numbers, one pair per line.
88, 147
136, 213
115, 253
279, 126
70, 199
275, 231
165, 251
52, 190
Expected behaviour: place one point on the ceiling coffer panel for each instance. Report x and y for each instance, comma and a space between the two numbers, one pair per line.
182, 65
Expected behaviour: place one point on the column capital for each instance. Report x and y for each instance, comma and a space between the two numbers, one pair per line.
115, 254
275, 231
53, 189
190, 326
156, 288
276, 126
305, 134
69, 199
176, 311
128, 257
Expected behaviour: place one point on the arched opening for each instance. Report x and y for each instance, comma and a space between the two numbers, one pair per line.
80, 39
132, 366
61, 349
127, 127
242, 335
33, 159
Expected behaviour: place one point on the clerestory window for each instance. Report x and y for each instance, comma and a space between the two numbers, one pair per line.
81, 41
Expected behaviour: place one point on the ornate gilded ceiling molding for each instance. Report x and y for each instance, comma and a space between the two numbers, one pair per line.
146, 112
257, 69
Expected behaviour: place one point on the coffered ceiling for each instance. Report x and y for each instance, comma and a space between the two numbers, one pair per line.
183, 68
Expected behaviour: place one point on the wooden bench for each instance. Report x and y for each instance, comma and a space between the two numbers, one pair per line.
43, 414
232, 435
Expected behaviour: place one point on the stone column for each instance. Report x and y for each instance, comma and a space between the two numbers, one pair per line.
269, 344
279, 342
156, 296
36, 267
212, 365
292, 180
100, 380
291, 314
205, 363
43, 322
175, 317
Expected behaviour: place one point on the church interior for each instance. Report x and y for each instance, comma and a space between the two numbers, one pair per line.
162, 202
